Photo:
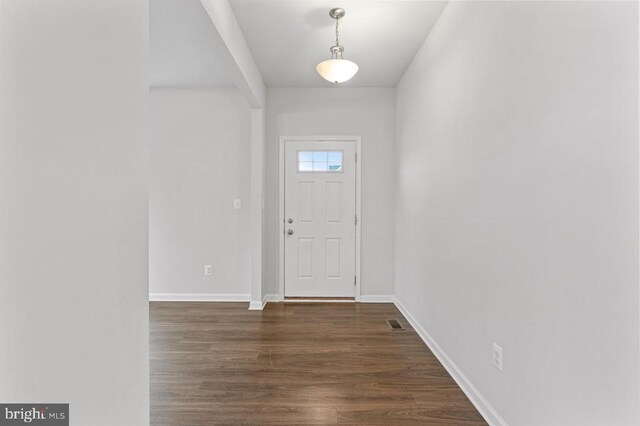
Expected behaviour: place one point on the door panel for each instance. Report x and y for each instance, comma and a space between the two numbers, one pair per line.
306, 201
305, 257
320, 203
334, 251
334, 199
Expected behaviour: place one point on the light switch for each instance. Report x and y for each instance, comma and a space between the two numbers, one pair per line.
237, 203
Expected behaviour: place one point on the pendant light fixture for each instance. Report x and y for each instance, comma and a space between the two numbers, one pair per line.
337, 69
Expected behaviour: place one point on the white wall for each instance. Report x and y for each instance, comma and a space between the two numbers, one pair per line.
200, 162
365, 112
517, 196
73, 207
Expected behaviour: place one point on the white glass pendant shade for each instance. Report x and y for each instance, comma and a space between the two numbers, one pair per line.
337, 70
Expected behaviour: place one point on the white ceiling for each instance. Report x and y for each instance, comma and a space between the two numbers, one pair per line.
185, 48
288, 38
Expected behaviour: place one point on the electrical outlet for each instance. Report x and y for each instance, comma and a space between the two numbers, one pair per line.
208, 269
497, 356
237, 203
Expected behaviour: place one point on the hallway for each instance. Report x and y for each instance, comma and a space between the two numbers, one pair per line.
295, 363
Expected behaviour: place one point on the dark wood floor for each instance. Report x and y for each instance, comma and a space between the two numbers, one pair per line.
296, 363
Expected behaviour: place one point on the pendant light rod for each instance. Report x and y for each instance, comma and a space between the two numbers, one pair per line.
336, 14
336, 51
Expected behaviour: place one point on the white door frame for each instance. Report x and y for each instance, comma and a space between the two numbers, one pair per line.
357, 141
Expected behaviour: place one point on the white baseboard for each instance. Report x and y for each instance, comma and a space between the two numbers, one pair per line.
318, 301
379, 298
270, 298
258, 306
482, 405
198, 297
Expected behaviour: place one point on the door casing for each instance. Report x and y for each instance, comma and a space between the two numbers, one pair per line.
281, 208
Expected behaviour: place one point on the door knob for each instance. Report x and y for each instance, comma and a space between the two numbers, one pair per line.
290, 232
290, 220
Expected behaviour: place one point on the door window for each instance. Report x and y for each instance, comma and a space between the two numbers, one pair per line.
320, 161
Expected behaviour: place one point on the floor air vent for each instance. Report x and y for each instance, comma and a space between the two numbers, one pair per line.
395, 325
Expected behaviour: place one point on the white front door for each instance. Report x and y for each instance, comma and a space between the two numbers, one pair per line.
319, 215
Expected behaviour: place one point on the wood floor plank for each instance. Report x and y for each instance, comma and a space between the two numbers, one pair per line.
295, 363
